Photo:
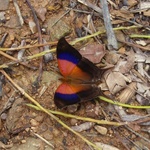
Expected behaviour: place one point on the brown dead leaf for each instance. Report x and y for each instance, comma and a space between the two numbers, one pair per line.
122, 13
115, 81
132, 3
122, 50
125, 66
127, 93
112, 57
118, 21
41, 12
147, 13
121, 36
93, 52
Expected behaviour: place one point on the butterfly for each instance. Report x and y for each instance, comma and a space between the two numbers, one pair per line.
79, 76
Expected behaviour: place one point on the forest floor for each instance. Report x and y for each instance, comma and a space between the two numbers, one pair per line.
26, 77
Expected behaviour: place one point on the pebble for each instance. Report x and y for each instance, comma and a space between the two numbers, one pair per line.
72, 108
7, 90
84, 126
73, 121
39, 118
90, 110
34, 123
56, 132
101, 130
48, 135
43, 127
34, 114
3, 116
35, 129
23, 141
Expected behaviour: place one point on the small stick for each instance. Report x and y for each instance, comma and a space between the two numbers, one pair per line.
3, 39
27, 47
137, 134
139, 75
18, 12
36, 21
39, 39
40, 137
134, 45
112, 42
88, 4
16, 60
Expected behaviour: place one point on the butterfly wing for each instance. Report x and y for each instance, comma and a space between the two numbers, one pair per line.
72, 65
68, 94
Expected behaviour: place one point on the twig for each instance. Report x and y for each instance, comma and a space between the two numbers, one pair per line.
90, 36
122, 104
134, 45
77, 10
139, 75
3, 39
36, 21
102, 32
76, 41
137, 134
40, 137
81, 118
132, 22
91, 24
16, 60
111, 38
87, 3
27, 47
18, 12
120, 137
140, 36
47, 112
39, 39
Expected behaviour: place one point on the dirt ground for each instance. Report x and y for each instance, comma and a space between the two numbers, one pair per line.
126, 80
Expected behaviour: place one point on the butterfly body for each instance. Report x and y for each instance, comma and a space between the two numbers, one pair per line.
80, 74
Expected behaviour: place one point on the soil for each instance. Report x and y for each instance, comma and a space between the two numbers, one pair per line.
23, 127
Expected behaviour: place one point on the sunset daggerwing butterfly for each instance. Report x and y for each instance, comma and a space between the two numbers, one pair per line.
81, 73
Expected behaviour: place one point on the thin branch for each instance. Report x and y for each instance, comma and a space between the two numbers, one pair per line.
39, 39
14, 59
18, 12
40, 137
89, 4
112, 42
122, 104
81, 118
